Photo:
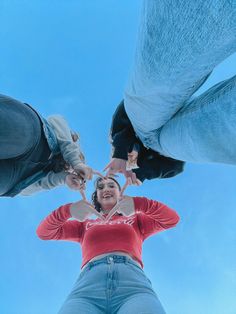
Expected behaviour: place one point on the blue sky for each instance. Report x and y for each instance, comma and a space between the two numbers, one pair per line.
73, 58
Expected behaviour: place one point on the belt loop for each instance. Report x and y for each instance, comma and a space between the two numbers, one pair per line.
110, 259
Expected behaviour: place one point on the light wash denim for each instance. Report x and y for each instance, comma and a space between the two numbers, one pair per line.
112, 285
179, 44
26, 141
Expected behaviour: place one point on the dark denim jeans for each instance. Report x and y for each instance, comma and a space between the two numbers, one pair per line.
23, 146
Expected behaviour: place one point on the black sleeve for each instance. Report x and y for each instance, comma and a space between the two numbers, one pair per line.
122, 133
158, 167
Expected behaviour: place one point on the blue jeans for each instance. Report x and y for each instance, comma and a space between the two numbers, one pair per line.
112, 285
23, 146
179, 44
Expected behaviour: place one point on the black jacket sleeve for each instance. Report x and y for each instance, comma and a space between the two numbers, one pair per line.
155, 166
122, 134
151, 164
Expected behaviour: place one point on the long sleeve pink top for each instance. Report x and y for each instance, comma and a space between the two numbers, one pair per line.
120, 233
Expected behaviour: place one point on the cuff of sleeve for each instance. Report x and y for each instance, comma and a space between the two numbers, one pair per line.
137, 204
78, 165
66, 209
63, 176
139, 174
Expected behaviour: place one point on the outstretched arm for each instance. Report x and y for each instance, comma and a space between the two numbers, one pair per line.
70, 150
50, 181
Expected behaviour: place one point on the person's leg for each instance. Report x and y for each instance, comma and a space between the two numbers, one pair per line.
7, 175
79, 306
179, 44
88, 295
19, 128
204, 130
23, 147
131, 291
142, 304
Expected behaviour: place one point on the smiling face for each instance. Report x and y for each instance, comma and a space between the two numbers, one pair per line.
108, 193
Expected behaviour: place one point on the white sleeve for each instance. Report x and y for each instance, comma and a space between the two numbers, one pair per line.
47, 183
70, 150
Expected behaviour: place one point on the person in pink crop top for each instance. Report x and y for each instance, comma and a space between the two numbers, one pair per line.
112, 279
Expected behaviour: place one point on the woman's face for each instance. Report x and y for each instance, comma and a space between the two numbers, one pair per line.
108, 193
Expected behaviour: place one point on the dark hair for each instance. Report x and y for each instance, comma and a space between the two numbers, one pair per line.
94, 197
59, 164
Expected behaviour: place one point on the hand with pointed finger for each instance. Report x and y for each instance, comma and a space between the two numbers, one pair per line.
82, 210
117, 206
119, 165
125, 207
75, 182
116, 165
84, 171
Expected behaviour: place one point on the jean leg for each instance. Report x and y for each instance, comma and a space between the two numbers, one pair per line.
88, 295
7, 175
19, 128
179, 44
79, 306
21, 138
133, 292
204, 130
142, 304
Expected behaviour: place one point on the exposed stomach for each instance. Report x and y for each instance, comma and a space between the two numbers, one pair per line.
120, 253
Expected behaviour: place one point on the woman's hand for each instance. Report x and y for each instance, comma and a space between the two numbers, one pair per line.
82, 210
125, 207
86, 172
75, 182
118, 165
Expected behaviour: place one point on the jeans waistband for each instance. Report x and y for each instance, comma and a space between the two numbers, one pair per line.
109, 259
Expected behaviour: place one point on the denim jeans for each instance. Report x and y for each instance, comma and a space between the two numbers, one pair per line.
179, 44
23, 146
112, 285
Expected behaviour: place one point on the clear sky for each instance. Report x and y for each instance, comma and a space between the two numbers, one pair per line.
73, 57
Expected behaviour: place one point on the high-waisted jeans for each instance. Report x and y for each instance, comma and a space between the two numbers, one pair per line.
179, 44
112, 285
23, 146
